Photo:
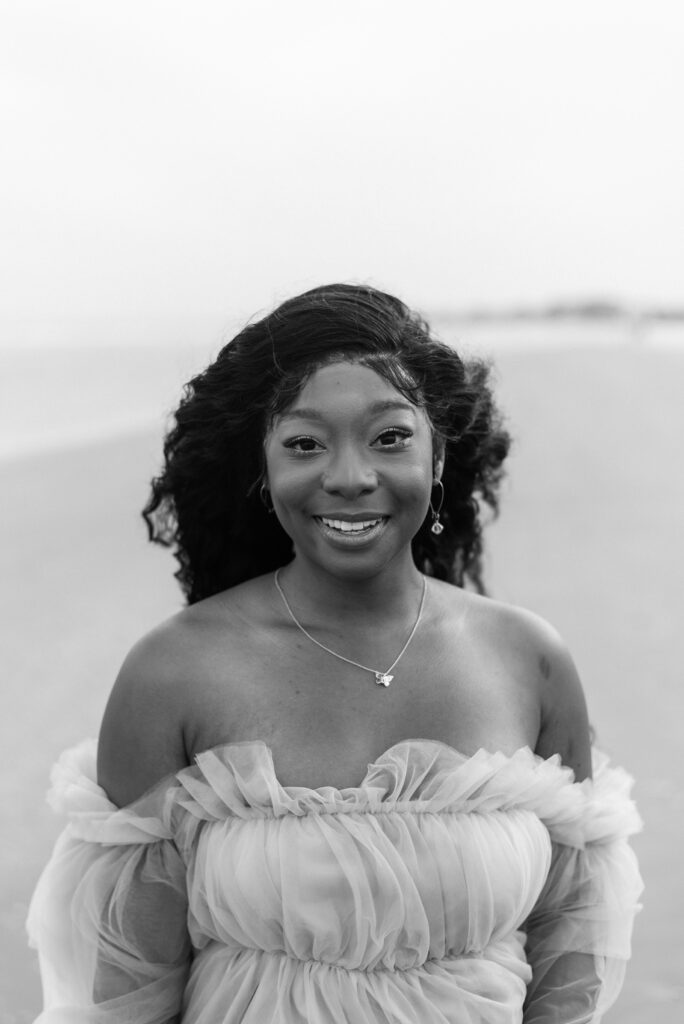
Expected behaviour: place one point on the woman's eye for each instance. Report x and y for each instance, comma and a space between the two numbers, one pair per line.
303, 445
394, 437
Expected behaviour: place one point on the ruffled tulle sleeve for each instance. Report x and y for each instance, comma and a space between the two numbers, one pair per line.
579, 933
108, 916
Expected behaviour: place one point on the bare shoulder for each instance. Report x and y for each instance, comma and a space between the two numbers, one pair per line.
141, 736
529, 650
160, 688
536, 647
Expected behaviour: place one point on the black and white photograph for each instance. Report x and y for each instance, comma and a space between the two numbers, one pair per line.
341, 504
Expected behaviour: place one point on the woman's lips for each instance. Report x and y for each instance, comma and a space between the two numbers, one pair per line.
353, 526
348, 531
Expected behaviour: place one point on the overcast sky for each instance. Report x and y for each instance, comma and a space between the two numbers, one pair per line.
196, 162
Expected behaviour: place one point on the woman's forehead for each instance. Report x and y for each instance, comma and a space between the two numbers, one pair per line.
348, 385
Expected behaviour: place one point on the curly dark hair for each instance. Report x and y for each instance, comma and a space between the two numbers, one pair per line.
205, 503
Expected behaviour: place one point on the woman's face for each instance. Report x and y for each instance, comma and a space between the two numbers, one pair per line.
350, 468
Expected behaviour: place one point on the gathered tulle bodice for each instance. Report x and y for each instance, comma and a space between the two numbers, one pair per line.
400, 899
402, 869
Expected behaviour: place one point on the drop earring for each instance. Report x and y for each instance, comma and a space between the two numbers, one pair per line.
264, 495
437, 527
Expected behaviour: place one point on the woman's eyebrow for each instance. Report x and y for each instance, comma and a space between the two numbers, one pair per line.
390, 404
387, 405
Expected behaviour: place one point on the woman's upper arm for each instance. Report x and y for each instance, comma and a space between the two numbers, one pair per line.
563, 711
141, 737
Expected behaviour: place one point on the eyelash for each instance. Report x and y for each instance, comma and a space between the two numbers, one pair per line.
403, 436
295, 440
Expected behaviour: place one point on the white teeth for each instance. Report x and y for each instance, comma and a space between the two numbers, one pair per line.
346, 527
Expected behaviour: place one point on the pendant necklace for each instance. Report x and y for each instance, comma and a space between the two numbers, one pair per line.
381, 678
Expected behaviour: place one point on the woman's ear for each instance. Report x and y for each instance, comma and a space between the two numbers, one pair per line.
438, 463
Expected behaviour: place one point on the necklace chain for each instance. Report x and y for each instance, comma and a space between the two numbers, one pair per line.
381, 678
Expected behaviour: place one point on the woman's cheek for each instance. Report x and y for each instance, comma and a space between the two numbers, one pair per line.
415, 484
293, 486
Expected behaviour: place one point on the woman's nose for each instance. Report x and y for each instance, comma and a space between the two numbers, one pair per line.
349, 474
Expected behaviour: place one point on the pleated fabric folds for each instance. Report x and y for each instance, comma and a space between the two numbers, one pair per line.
444, 887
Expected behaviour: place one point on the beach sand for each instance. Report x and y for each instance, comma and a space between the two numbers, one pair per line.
589, 537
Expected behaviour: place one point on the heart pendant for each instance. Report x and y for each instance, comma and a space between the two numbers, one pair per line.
383, 679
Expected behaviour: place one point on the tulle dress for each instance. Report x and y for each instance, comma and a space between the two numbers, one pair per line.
443, 888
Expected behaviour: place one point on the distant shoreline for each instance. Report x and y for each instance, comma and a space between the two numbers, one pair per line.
566, 332
16, 450
59, 399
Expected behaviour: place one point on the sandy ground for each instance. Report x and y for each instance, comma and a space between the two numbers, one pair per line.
590, 537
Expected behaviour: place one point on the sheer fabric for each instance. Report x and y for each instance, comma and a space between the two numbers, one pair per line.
443, 888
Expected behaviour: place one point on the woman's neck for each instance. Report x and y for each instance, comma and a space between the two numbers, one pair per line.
390, 595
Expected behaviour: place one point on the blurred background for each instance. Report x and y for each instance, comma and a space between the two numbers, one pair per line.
513, 171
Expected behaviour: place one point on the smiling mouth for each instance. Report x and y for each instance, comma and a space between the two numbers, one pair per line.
344, 526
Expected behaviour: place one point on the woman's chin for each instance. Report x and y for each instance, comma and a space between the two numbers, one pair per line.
353, 561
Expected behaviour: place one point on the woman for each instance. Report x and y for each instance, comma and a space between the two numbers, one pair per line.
342, 784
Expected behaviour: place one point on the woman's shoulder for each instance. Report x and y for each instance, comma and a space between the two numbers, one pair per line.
141, 736
164, 655
498, 622
525, 648
143, 732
